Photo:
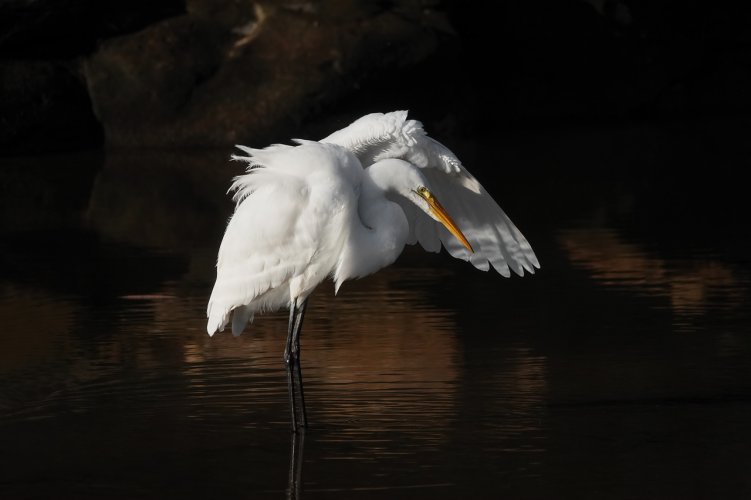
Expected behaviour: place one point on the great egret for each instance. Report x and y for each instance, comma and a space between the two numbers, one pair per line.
344, 208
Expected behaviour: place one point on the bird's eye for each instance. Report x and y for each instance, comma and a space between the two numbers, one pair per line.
422, 190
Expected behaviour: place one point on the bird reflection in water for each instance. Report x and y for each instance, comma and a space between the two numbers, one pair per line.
297, 447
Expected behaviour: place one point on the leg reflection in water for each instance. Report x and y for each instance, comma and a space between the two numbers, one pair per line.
294, 488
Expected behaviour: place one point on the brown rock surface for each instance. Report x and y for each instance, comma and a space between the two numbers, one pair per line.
228, 72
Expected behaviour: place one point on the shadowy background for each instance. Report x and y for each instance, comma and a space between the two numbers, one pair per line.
199, 73
635, 92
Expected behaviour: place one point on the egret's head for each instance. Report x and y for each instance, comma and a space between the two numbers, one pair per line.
429, 204
398, 177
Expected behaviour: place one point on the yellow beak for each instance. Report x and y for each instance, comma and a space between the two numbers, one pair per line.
437, 210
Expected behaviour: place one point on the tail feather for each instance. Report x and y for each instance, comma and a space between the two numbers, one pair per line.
218, 318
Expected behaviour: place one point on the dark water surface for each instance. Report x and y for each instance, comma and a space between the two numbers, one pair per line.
622, 369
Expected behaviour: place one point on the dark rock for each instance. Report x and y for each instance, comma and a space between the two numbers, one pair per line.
230, 72
165, 199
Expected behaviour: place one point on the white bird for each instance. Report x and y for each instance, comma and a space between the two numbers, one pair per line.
345, 207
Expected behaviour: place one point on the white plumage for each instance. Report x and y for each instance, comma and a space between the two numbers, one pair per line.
494, 238
345, 207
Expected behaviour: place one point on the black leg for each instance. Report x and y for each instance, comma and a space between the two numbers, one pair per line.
296, 351
292, 360
289, 362
294, 486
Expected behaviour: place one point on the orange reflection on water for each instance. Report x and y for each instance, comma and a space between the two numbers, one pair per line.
374, 350
689, 284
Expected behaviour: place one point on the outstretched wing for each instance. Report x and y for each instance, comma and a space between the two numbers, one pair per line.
495, 239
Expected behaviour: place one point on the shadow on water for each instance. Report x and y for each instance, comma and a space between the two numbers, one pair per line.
620, 370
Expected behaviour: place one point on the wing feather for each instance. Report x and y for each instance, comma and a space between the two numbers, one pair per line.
379, 136
495, 239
